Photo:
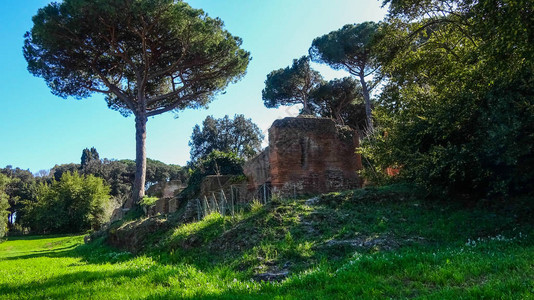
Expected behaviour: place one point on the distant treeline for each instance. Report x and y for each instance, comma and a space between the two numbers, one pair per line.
72, 197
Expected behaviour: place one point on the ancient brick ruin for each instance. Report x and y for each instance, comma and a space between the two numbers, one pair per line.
167, 192
306, 156
169, 189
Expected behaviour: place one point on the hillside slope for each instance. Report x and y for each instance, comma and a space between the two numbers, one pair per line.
390, 236
370, 243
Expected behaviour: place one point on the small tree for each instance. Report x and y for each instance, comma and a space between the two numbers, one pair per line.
89, 155
20, 186
333, 99
291, 85
239, 135
350, 49
74, 204
147, 56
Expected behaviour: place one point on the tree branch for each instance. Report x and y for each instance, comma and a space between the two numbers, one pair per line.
173, 106
115, 90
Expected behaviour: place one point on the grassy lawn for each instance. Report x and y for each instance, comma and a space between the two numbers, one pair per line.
376, 243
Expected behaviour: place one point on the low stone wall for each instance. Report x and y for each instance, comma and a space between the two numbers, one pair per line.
167, 192
167, 189
163, 206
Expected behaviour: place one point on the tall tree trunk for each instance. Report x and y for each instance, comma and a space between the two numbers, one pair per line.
140, 158
305, 107
367, 99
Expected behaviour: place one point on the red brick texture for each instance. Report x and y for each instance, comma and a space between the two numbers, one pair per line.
312, 156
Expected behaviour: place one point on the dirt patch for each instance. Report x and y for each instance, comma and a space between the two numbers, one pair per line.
379, 243
271, 276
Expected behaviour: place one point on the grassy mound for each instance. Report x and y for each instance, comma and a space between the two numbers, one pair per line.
370, 243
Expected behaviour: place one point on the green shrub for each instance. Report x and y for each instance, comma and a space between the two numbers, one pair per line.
76, 203
4, 205
149, 201
457, 117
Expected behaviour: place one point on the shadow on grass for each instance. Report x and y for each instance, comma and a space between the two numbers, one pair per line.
37, 237
66, 286
222, 245
56, 252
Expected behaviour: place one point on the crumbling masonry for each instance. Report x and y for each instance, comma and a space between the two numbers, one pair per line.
306, 156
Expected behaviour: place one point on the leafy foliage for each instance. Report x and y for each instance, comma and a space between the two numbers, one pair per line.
291, 85
351, 48
118, 175
158, 171
4, 204
172, 55
239, 135
74, 204
58, 170
458, 106
147, 56
216, 163
88, 156
341, 100
23, 189
148, 201
21, 186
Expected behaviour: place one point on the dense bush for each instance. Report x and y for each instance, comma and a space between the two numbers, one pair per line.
4, 204
119, 174
457, 112
75, 203
21, 185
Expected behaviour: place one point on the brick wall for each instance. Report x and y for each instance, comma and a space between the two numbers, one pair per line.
307, 156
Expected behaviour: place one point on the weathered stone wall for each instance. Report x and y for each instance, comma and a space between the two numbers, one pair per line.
257, 169
166, 189
163, 206
312, 155
167, 192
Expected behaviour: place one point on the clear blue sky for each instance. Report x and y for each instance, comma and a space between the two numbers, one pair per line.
39, 130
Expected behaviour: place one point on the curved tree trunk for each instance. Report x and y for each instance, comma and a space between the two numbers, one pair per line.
367, 99
140, 158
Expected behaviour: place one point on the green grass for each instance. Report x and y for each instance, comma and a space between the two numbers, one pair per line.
372, 243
